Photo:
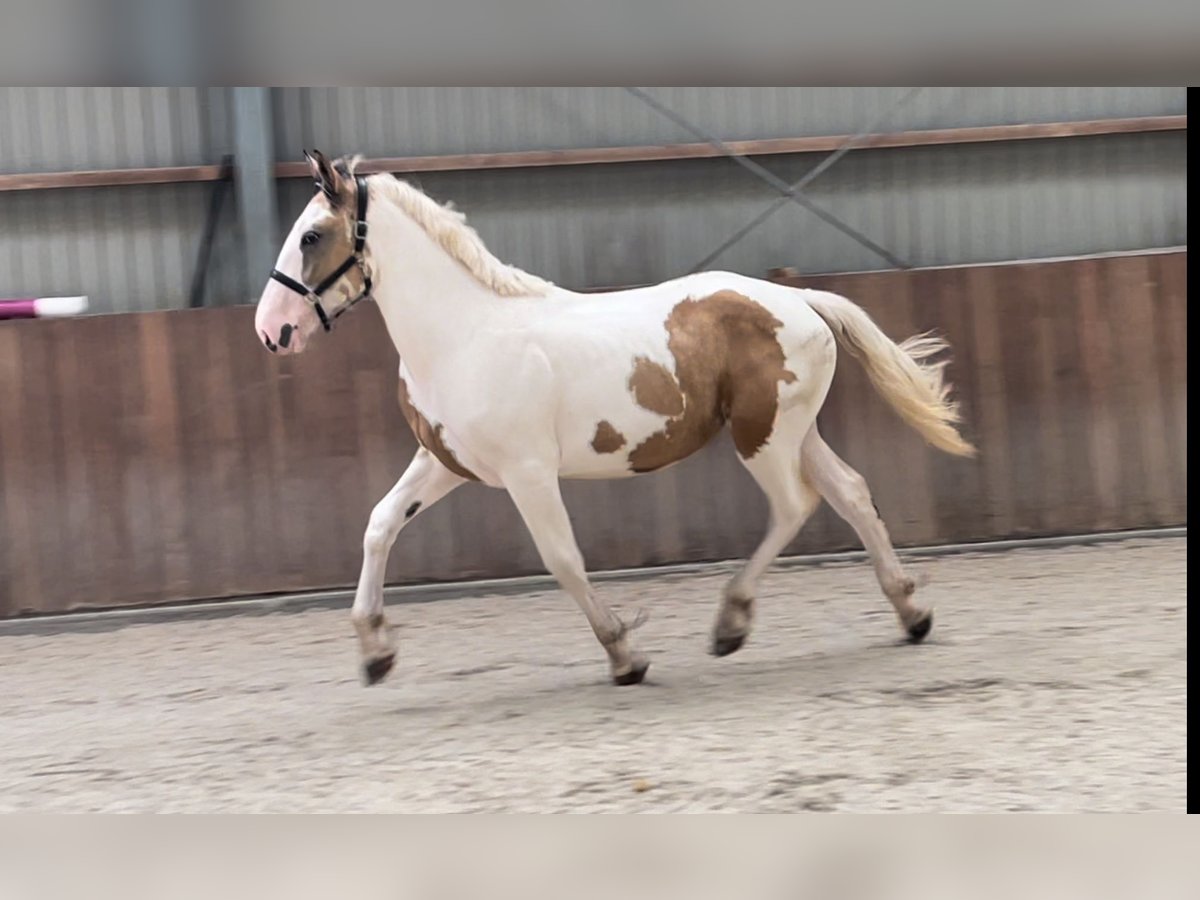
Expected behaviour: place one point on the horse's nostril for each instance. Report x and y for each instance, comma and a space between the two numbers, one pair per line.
285, 335
270, 344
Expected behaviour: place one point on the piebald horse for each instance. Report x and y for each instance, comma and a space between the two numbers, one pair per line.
514, 382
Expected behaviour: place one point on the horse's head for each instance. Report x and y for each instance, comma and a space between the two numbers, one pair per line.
321, 270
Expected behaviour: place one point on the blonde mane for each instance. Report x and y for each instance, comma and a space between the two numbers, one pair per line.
449, 228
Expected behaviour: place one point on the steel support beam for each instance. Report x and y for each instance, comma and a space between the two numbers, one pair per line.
254, 154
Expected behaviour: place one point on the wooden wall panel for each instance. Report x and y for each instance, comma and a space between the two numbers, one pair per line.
165, 457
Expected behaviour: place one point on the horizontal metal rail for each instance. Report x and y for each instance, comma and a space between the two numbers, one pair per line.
524, 159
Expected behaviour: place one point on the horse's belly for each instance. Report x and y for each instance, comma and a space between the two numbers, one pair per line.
596, 469
636, 441
601, 451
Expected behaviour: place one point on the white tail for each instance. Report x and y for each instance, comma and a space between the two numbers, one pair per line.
914, 388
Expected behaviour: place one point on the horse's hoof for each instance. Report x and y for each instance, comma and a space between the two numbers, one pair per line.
633, 676
919, 629
375, 670
723, 646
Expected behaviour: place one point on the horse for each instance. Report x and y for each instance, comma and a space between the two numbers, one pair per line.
509, 380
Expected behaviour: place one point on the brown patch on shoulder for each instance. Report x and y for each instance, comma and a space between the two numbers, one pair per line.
728, 365
430, 437
654, 388
607, 438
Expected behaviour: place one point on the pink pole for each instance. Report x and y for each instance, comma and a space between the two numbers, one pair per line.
43, 307
18, 309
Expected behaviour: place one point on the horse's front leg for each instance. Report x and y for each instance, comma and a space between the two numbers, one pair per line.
423, 483
539, 500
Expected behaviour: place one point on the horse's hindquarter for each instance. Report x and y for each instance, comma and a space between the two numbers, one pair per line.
645, 378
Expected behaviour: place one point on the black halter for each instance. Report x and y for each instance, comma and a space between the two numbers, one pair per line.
313, 295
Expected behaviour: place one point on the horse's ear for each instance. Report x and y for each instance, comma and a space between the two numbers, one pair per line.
326, 177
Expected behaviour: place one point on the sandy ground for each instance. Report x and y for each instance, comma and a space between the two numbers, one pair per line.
1055, 679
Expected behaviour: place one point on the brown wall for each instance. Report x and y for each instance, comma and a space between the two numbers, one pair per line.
161, 457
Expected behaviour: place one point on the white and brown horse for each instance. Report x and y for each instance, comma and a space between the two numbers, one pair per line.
512, 381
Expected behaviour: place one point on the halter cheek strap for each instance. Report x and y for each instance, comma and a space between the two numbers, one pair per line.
313, 295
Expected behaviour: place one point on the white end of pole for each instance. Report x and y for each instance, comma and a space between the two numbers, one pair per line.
54, 307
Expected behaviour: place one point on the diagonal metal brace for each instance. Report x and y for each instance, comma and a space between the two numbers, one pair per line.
804, 182
770, 178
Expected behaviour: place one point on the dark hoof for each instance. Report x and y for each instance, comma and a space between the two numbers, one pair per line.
723, 646
633, 676
919, 630
376, 670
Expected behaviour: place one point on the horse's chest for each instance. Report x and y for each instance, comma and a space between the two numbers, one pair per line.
431, 436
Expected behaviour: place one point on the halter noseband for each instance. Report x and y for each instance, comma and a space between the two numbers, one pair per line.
313, 295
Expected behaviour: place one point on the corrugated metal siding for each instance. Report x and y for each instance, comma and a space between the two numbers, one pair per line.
610, 225
128, 248
132, 248
418, 121
69, 129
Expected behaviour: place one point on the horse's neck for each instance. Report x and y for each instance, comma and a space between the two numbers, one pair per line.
428, 299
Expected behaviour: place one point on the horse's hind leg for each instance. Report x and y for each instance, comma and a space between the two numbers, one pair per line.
776, 469
848, 494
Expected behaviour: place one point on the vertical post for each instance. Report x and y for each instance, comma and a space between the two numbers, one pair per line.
255, 155
204, 255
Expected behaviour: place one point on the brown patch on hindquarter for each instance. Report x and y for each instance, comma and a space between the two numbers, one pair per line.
654, 388
430, 437
728, 365
607, 438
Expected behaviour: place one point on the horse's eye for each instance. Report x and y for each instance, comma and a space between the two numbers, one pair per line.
309, 238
